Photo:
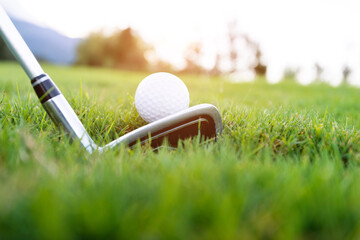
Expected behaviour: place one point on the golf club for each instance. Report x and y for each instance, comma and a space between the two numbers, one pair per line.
203, 119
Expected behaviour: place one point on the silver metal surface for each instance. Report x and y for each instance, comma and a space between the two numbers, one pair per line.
197, 110
167, 132
64, 116
18, 46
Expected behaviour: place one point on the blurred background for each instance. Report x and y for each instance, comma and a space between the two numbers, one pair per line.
307, 41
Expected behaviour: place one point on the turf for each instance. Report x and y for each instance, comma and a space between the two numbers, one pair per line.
285, 167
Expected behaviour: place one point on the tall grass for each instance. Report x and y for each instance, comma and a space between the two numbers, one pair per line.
285, 167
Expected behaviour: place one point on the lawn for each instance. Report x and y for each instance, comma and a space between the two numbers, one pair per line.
285, 167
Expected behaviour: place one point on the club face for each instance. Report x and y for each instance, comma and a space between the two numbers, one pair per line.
202, 125
202, 120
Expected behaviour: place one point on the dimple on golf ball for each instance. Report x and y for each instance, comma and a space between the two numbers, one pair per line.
159, 95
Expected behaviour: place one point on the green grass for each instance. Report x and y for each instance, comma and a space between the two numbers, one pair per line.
286, 166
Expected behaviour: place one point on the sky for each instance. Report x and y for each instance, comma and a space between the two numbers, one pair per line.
291, 33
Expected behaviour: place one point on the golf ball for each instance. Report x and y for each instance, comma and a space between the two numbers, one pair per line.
159, 95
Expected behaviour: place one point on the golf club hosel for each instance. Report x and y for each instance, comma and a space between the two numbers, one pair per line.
60, 111
65, 118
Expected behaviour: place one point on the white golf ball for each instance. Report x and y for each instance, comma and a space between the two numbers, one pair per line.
159, 95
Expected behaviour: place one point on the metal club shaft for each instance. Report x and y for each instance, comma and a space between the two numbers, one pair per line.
49, 94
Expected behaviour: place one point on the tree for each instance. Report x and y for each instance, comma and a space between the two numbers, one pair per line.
346, 71
233, 51
290, 74
215, 71
319, 72
91, 51
257, 66
127, 50
255, 62
123, 49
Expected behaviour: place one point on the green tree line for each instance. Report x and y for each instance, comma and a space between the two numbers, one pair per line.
123, 49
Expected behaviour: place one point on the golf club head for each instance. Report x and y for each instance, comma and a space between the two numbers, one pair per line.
202, 120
